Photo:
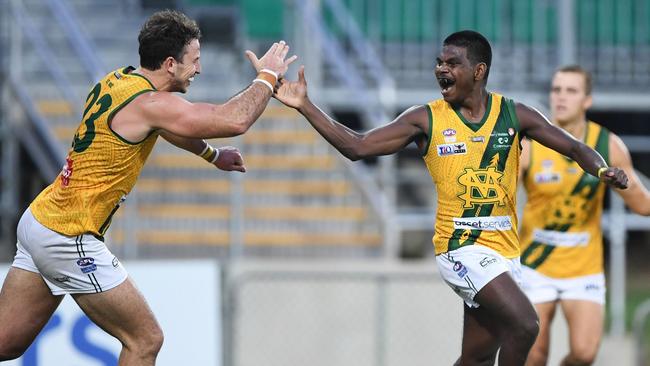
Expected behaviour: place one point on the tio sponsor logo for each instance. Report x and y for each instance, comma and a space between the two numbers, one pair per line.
452, 149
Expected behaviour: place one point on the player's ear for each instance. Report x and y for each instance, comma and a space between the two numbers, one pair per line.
170, 65
587, 102
479, 71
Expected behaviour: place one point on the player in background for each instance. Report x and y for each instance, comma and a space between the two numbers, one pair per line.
60, 247
469, 141
562, 243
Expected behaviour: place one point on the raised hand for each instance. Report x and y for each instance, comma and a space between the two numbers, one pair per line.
273, 59
230, 159
293, 93
614, 177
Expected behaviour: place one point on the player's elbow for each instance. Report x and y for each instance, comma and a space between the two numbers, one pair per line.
353, 156
642, 209
354, 152
239, 127
233, 127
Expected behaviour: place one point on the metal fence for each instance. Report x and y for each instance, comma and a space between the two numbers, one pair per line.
322, 314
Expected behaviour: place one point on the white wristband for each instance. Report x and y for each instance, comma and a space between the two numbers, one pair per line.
207, 146
270, 72
216, 156
265, 83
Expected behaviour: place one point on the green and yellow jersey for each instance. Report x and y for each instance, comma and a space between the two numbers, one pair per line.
475, 169
561, 234
101, 167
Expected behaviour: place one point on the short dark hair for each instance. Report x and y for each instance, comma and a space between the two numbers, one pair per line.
579, 70
164, 34
477, 46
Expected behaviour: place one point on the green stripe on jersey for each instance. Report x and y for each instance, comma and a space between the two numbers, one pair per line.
495, 155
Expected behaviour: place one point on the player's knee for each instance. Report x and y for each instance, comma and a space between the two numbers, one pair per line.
152, 343
583, 356
527, 330
537, 357
146, 344
9, 351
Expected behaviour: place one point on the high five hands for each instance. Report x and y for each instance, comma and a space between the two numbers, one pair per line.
273, 59
293, 93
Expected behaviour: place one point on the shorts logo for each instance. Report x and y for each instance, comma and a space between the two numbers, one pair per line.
452, 149
62, 279
487, 261
592, 287
487, 223
460, 270
115, 262
87, 264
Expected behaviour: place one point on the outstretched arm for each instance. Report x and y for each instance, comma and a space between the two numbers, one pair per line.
537, 127
160, 110
410, 126
636, 196
226, 158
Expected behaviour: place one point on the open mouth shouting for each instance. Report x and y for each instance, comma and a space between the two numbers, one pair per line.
446, 85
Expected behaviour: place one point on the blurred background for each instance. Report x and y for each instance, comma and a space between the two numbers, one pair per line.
307, 257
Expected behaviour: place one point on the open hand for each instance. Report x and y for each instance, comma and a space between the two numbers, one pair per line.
614, 177
230, 159
273, 59
293, 93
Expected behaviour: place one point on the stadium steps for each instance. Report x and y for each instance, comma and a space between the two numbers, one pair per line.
296, 194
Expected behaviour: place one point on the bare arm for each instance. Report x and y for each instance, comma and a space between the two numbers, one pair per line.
162, 110
172, 113
228, 158
636, 196
537, 127
410, 126
524, 161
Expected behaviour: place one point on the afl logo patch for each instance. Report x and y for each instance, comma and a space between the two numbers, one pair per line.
87, 264
460, 269
449, 134
86, 261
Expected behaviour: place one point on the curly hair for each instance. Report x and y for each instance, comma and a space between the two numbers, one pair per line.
477, 46
164, 34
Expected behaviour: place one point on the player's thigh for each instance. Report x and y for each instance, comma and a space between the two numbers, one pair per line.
505, 300
585, 321
26, 304
121, 311
481, 339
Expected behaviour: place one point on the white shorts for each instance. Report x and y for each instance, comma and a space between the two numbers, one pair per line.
540, 288
468, 269
68, 264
